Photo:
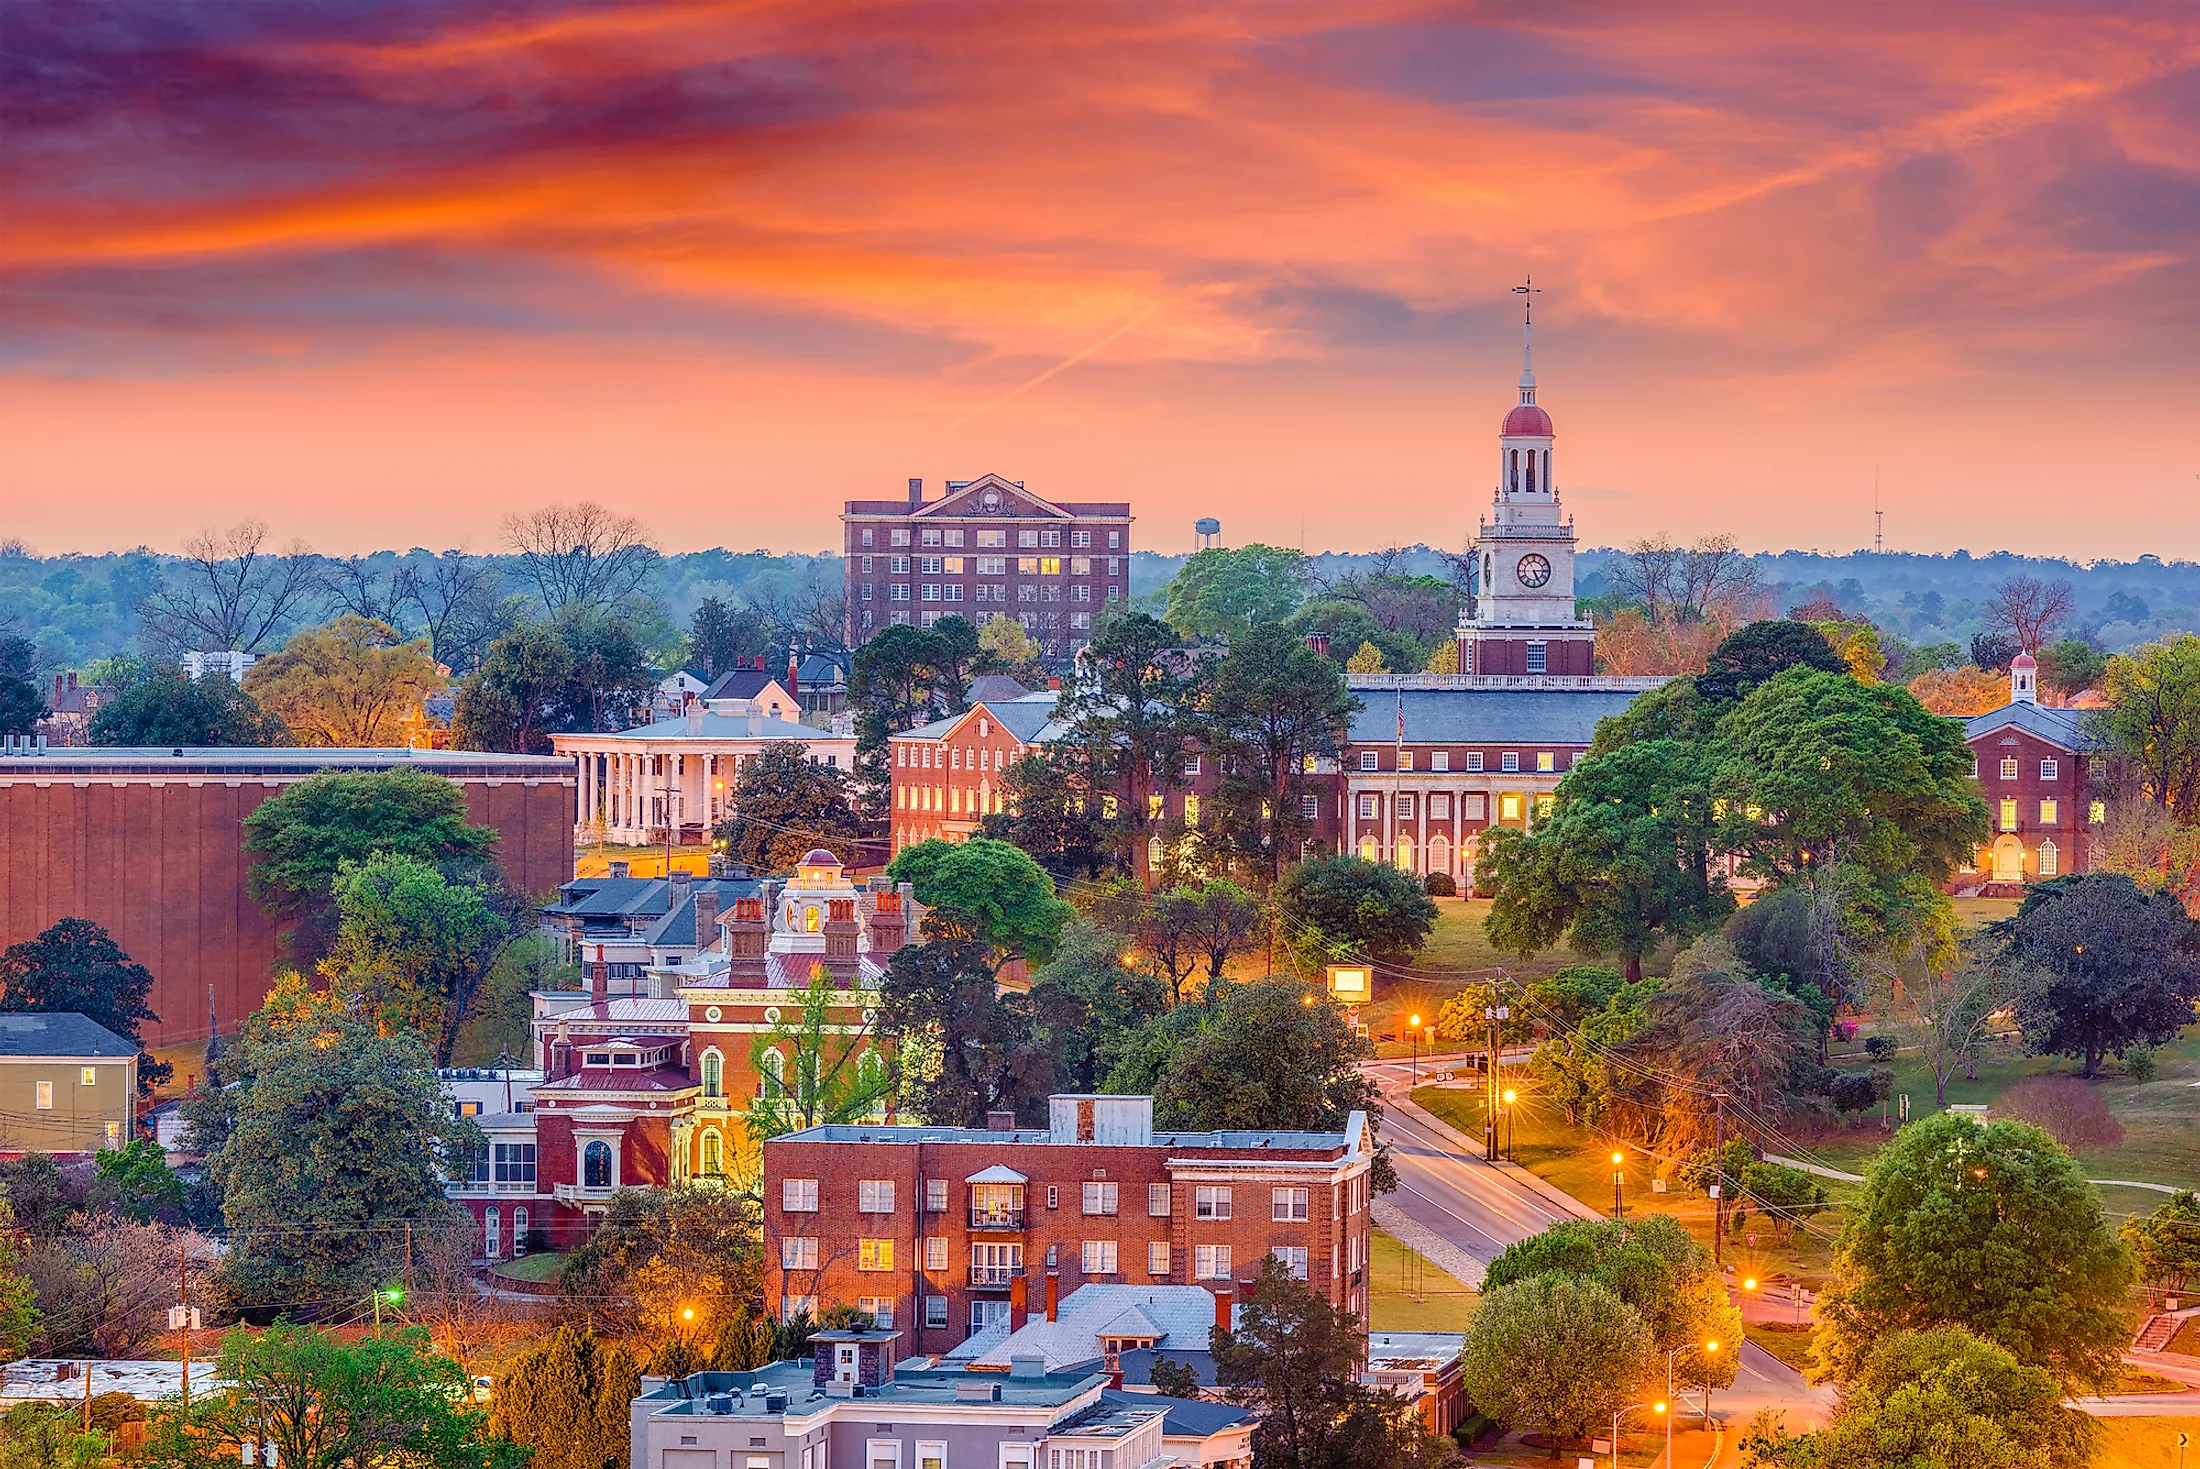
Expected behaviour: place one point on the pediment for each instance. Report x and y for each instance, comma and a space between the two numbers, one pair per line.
990, 496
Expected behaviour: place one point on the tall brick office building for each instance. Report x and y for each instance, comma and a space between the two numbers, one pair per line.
988, 547
943, 1231
149, 844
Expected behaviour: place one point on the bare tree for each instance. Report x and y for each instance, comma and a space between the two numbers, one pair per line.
1649, 571
1947, 1007
583, 555
229, 592
362, 588
822, 615
1715, 572
463, 1316
2028, 609
460, 609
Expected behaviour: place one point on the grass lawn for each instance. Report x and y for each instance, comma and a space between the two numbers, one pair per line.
2187, 1341
1580, 1163
1407, 1293
1642, 1442
1787, 1340
2142, 1443
533, 1267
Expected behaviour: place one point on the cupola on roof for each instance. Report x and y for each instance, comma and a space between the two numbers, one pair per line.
1527, 419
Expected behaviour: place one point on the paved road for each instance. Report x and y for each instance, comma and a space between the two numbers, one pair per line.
1445, 1186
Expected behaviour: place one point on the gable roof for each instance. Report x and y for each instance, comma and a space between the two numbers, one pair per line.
1029, 718
2061, 727
59, 1033
1182, 1417
743, 683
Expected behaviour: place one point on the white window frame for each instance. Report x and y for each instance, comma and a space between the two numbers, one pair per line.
1211, 1201
1099, 1257
1474, 762
45, 1096
875, 1196
1509, 762
798, 1195
1369, 760
1294, 1258
1157, 1201
1211, 1262
2008, 767
1101, 1197
798, 1252
1157, 1257
1289, 1205
2050, 770
935, 1196
935, 1252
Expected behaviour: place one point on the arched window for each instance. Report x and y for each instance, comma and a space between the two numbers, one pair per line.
714, 1155
1370, 849
1405, 854
1546, 471
519, 1230
491, 1234
1513, 478
2050, 860
714, 1073
596, 1165
1531, 471
1154, 852
1439, 854
775, 1073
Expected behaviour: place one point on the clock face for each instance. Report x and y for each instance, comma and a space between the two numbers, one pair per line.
991, 499
1533, 570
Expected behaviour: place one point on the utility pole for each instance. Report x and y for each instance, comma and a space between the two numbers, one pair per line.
87, 1370
408, 1259
1496, 1015
1718, 1186
183, 1316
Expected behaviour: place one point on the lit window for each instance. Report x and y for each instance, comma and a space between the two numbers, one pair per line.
1211, 1262
89, 1076
798, 1195
1546, 761
2097, 812
2048, 812
1099, 1257
1405, 759
1154, 810
1050, 566
2008, 767
1508, 806
797, 1252
875, 1254
1211, 1201
45, 1096
2009, 815
1191, 810
1544, 805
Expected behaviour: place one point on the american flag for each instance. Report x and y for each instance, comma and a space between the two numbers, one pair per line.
1401, 718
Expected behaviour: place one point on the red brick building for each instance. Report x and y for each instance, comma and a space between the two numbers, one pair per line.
945, 1230
2035, 769
988, 548
149, 844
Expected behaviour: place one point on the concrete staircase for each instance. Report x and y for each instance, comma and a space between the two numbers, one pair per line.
2156, 1333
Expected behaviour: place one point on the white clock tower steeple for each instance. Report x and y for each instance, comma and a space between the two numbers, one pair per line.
1522, 621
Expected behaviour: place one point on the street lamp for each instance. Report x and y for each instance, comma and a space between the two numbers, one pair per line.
1415, 1022
1659, 1409
1670, 1392
1511, 1097
1619, 1175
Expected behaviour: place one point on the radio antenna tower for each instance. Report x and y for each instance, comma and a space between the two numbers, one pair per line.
1879, 516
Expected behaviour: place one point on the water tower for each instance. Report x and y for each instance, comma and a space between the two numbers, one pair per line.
1209, 531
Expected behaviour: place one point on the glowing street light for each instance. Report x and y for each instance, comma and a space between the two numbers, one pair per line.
1415, 1022
1619, 1176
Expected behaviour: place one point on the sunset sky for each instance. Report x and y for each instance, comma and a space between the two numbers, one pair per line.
379, 273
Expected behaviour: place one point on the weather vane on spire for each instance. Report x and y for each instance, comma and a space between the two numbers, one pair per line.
1527, 291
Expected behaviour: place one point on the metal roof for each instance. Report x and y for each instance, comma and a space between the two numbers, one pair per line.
59, 1033
1486, 716
2063, 727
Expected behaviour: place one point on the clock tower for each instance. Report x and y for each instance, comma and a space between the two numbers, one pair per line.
1522, 618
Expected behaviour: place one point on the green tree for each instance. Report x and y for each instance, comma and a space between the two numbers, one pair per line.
1623, 862
722, 636
299, 839
2153, 720
1577, 1066
2166, 1243
1295, 1358
1349, 906
893, 674
1275, 706
163, 707
1992, 1228
1820, 771
1939, 1397
660, 1252
135, 1182
610, 671
414, 947
965, 1046
355, 682
325, 1403
1050, 809
77, 966
1173, 1379
1225, 921
955, 656
2070, 667
1129, 706
1654, 1266
1006, 897
506, 704
19, 1314
2118, 966
1754, 655
785, 804
826, 1072
1004, 647
1554, 1353
1161, 928
569, 1400
1671, 711
326, 1139
1087, 1004
22, 701
1218, 593
1252, 1056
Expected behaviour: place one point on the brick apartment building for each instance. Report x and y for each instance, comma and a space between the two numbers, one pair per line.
945, 1231
988, 547
2035, 769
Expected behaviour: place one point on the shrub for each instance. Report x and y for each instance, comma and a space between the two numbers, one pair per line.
1880, 1048
2139, 1063
1440, 885
2071, 1111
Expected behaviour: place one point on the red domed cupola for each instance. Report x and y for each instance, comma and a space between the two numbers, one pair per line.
1527, 420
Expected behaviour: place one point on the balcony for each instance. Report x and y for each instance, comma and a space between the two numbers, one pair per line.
583, 1193
996, 1219
993, 1277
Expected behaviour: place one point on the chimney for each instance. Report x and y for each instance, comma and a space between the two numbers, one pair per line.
840, 937
679, 885
618, 869
794, 675
706, 916
745, 936
1054, 1295
1223, 1298
57, 691
889, 924
72, 678
599, 978
1019, 1302
1000, 1122
916, 491
1054, 683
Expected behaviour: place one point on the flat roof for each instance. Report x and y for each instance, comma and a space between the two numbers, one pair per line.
280, 760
